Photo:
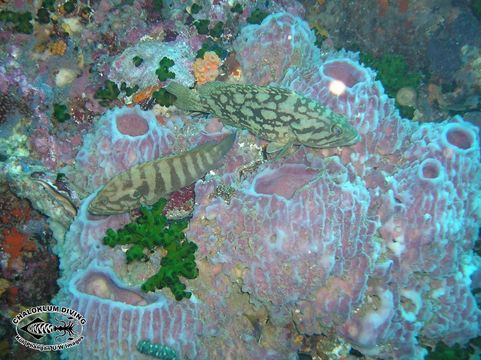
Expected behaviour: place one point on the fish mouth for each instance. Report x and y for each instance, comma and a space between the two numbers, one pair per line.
94, 210
355, 139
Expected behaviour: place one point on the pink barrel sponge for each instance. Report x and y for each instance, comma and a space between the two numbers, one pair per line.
294, 231
371, 243
118, 318
97, 282
121, 138
382, 252
267, 50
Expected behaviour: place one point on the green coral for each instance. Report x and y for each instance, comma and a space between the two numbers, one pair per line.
137, 60
211, 46
70, 6
163, 72
444, 352
392, 71
257, 16
49, 5
108, 93
394, 74
195, 8
163, 97
150, 231
202, 26
128, 90
475, 6
43, 16
237, 8
217, 30
60, 112
21, 21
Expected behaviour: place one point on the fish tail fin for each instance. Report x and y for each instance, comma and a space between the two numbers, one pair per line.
187, 99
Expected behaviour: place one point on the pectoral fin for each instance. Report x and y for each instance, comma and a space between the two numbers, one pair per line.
279, 149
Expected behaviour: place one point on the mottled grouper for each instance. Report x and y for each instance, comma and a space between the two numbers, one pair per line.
275, 114
146, 183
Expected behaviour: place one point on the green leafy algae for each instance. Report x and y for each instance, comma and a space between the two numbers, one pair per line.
211, 46
444, 352
237, 8
158, 5
21, 21
49, 5
60, 112
150, 231
257, 16
128, 90
394, 74
202, 26
69, 6
217, 30
475, 6
392, 71
108, 93
43, 16
163, 72
137, 60
195, 8
163, 97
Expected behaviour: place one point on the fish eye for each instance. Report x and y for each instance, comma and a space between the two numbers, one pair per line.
336, 130
136, 194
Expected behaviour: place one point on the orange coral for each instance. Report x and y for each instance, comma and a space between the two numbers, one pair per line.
403, 6
144, 94
383, 7
14, 242
58, 47
207, 68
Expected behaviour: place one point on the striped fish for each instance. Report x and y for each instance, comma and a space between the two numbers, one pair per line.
146, 183
275, 114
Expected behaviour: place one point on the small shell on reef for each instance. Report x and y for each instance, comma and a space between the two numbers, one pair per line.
406, 96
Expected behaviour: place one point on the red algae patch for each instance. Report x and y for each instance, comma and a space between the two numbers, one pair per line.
284, 181
132, 124
15, 243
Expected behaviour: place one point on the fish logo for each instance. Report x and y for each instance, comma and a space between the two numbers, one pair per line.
62, 332
38, 328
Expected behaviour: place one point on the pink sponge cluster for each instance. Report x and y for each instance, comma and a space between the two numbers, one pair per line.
122, 138
267, 50
97, 282
281, 214
375, 240
372, 243
118, 318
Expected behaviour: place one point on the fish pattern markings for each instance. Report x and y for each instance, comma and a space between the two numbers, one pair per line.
146, 183
276, 114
